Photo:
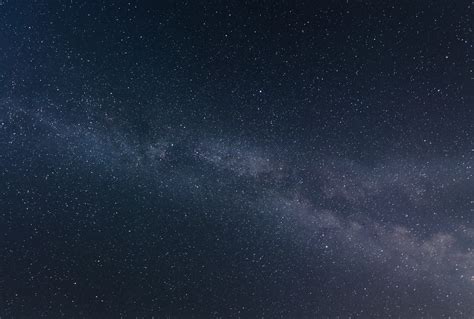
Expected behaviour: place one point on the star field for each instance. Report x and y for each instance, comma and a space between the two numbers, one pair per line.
238, 159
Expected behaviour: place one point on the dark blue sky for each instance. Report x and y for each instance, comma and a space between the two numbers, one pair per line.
217, 159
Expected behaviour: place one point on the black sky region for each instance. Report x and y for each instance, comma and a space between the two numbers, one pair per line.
236, 159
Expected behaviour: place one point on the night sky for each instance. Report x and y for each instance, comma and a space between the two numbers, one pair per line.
236, 159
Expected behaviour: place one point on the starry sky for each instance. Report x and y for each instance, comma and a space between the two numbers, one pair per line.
236, 159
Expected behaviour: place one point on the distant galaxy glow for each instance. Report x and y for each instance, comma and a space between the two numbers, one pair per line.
237, 159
